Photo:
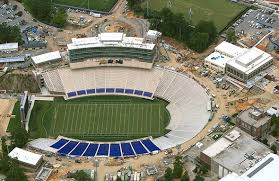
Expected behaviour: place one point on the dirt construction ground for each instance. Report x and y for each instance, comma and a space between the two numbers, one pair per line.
6, 109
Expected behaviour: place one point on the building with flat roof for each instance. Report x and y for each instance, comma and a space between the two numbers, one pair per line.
254, 121
112, 45
265, 169
222, 54
249, 64
26, 158
46, 58
235, 152
8, 47
239, 63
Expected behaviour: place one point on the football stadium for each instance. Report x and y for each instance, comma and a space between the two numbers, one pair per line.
103, 108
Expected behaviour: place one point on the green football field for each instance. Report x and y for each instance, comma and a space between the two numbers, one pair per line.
219, 11
99, 5
100, 118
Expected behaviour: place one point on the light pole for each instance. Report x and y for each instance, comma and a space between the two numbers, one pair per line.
96, 162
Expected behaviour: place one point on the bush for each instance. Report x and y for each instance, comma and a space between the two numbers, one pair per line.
19, 13
274, 149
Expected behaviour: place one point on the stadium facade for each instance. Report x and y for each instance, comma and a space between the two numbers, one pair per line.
114, 49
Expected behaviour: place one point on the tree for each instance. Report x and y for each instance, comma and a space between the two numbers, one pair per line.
274, 149
178, 168
209, 28
168, 174
185, 177
80, 175
4, 164
118, 179
4, 147
10, 34
199, 41
198, 178
231, 35
40, 9
16, 173
19, 137
59, 18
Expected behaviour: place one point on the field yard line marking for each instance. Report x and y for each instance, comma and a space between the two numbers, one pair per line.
120, 115
111, 120
86, 120
97, 118
72, 120
54, 123
81, 117
65, 120
90, 120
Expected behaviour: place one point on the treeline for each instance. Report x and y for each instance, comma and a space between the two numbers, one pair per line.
44, 11
10, 34
197, 37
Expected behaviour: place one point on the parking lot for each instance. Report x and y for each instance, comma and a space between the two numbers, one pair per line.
256, 24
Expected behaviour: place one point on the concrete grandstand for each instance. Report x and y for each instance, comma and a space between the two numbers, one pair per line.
187, 99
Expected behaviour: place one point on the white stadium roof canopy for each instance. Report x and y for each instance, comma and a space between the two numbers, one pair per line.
47, 57
8, 46
25, 156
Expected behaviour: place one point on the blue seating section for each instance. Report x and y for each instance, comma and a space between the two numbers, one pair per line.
103, 150
139, 148
127, 149
68, 147
110, 90
124, 149
150, 145
59, 143
115, 150
79, 149
91, 150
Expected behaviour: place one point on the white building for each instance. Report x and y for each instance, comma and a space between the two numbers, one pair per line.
46, 58
223, 53
27, 158
8, 47
266, 169
239, 63
235, 152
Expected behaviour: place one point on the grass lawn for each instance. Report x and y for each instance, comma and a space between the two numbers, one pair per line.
102, 118
100, 5
219, 11
15, 122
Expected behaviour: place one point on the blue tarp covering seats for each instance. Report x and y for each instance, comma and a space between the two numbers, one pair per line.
71, 94
127, 149
90, 91
147, 94
110, 90
81, 92
91, 150
115, 150
68, 147
139, 148
59, 143
79, 149
103, 150
138, 92
129, 91
119, 90
150, 145
101, 90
